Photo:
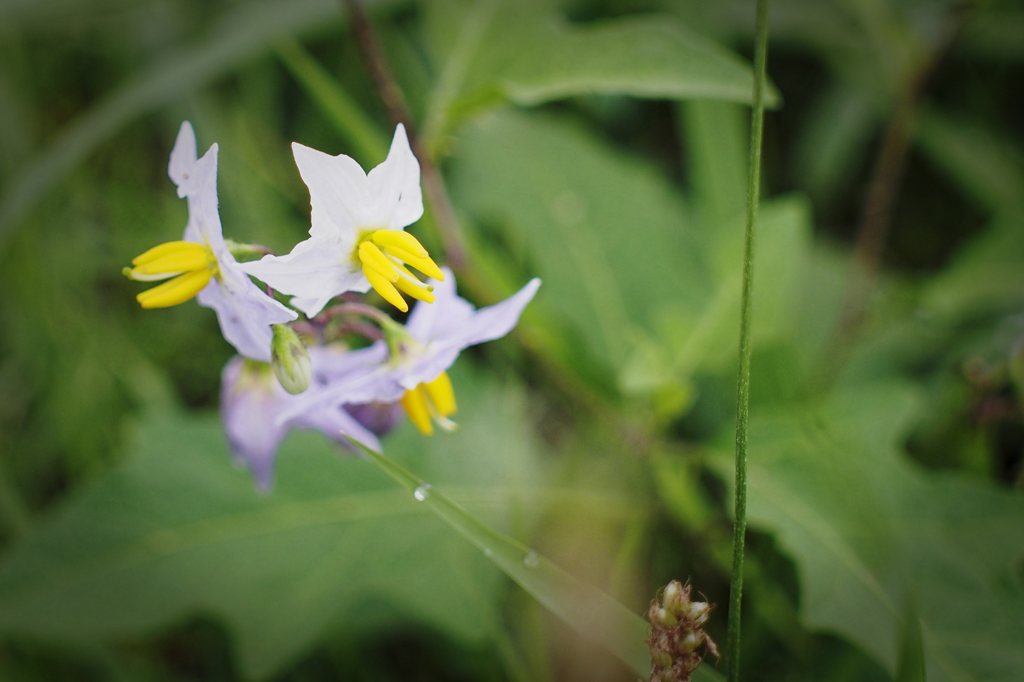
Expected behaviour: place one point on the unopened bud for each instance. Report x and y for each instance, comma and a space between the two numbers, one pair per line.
290, 360
690, 642
698, 612
662, 616
661, 659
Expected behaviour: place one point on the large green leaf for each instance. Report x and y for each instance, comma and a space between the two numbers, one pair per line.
870, 533
606, 232
178, 531
525, 52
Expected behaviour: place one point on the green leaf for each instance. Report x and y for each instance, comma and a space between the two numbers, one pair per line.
343, 112
586, 609
527, 53
867, 528
177, 531
646, 56
911, 665
607, 233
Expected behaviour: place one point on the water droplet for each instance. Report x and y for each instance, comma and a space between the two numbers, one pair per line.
532, 559
421, 492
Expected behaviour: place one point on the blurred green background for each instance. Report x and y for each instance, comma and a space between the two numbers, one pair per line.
601, 146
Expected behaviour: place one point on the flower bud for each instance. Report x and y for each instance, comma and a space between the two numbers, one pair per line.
290, 360
690, 641
698, 612
662, 617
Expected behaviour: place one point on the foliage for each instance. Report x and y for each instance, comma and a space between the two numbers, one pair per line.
601, 146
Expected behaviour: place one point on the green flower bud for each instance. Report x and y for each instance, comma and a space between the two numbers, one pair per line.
690, 642
290, 360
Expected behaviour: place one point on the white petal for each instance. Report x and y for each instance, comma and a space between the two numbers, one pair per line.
394, 186
316, 271
204, 225
183, 157
244, 312
337, 192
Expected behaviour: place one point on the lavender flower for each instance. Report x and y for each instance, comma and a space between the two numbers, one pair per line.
411, 364
202, 265
253, 406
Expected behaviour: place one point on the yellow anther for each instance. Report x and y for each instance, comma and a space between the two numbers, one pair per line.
442, 395
196, 257
398, 239
162, 250
425, 265
416, 406
416, 292
372, 257
412, 286
178, 290
190, 264
385, 288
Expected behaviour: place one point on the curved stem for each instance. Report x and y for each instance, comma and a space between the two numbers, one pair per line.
732, 646
353, 308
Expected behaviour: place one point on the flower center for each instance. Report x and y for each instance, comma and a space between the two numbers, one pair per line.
384, 255
432, 401
191, 265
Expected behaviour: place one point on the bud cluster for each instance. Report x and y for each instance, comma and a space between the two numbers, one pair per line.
677, 632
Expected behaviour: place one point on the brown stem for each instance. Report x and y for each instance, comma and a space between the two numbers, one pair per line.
887, 176
352, 308
359, 327
398, 110
881, 196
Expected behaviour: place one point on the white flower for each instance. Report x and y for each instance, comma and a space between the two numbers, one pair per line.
201, 264
356, 239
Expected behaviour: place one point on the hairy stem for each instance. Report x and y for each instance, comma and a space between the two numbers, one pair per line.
732, 646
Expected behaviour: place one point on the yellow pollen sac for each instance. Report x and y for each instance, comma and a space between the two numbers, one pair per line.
191, 265
178, 290
385, 253
432, 401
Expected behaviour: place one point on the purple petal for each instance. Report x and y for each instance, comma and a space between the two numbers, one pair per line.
249, 405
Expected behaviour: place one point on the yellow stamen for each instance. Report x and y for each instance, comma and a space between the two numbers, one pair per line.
371, 256
416, 406
180, 260
158, 251
433, 401
386, 253
425, 265
385, 288
191, 265
178, 290
412, 286
399, 239
442, 395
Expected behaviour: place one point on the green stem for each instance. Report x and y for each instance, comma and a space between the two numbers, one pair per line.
732, 646
344, 112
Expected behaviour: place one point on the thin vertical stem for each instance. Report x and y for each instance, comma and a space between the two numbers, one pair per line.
732, 647
398, 109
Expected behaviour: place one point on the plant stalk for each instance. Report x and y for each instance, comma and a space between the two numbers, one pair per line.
732, 646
